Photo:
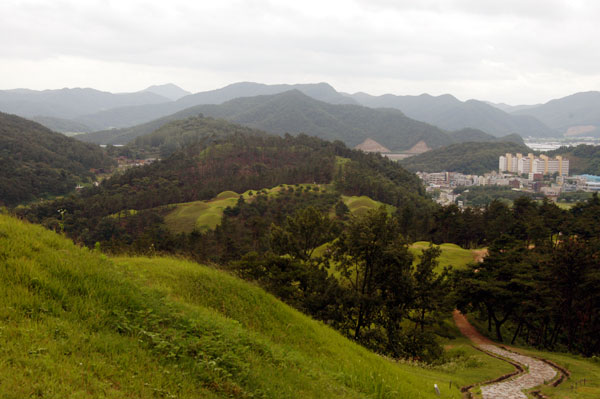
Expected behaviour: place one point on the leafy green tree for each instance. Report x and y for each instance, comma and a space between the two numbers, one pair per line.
374, 261
302, 233
499, 284
431, 289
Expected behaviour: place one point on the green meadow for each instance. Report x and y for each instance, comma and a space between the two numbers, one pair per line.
452, 254
363, 204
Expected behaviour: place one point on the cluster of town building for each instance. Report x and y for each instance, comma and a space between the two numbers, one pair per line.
517, 163
446, 182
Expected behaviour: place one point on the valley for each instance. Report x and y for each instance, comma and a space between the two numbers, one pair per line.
209, 258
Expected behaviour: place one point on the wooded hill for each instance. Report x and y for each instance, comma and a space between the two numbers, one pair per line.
225, 157
469, 158
35, 161
293, 112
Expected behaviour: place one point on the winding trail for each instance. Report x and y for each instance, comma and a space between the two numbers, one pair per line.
538, 371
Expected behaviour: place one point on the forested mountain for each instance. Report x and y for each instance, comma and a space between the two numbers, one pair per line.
129, 116
294, 112
35, 161
231, 157
469, 158
179, 134
583, 159
69, 103
449, 113
580, 110
61, 125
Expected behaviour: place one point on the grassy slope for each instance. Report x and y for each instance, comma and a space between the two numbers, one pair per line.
76, 324
207, 214
363, 204
452, 254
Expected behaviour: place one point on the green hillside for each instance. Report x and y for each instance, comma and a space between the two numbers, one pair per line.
177, 135
77, 324
469, 158
359, 205
225, 157
583, 159
451, 255
36, 162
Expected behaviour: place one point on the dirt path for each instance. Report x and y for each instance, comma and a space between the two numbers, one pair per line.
538, 371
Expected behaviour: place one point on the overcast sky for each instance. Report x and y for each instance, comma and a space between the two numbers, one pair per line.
514, 51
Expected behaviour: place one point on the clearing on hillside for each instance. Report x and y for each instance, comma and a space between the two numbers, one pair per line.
452, 254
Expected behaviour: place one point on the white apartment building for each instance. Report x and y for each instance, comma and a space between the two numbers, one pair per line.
530, 164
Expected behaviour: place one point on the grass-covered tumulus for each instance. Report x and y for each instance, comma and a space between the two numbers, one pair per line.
76, 324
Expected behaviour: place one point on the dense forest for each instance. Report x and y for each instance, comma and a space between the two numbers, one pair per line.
468, 158
36, 162
229, 158
539, 281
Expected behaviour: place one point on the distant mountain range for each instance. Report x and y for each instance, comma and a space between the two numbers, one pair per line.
294, 112
449, 113
134, 115
87, 110
69, 103
575, 115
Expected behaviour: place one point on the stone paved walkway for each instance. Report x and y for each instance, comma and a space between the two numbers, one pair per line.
539, 372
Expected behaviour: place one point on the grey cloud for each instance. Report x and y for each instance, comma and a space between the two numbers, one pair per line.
439, 44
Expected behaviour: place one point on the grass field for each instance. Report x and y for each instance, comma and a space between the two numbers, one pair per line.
203, 215
566, 205
76, 324
199, 214
452, 254
363, 204
580, 368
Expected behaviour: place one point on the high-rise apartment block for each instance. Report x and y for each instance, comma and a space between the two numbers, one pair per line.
530, 164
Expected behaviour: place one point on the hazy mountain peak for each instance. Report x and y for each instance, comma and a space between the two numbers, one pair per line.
168, 90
